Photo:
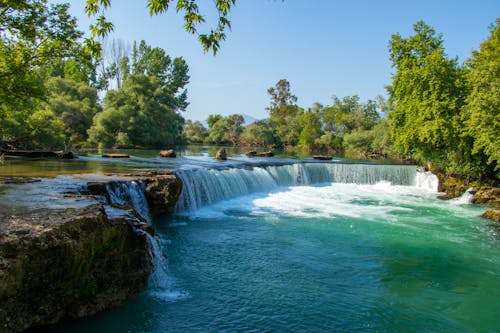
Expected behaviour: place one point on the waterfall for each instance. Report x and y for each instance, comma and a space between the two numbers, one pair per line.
203, 186
465, 199
130, 193
427, 180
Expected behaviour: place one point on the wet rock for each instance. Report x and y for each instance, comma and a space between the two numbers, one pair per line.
115, 155
37, 154
492, 214
221, 154
19, 180
97, 188
265, 154
162, 193
251, 153
68, 263
168, 153
322, 157
487, 195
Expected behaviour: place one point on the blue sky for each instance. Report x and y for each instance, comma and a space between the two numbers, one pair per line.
323, 47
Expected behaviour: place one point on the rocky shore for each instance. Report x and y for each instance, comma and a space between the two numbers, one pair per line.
71, 263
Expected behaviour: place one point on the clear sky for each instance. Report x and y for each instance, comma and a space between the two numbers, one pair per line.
323, 47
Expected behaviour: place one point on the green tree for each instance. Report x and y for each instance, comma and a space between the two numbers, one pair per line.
194, 132
284, 114
427, 93
212, 119
225, 130
75, 104
482, 112
258, 134
33, 34
193, 20
310, 123
136, 116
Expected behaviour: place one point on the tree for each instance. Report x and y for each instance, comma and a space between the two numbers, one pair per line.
75, 104
482, 111
427, 93
257, 134
311, 127
194, 132
284, 114
225, 130
192, 19
33, 34
136, 116
172, 75
212, 119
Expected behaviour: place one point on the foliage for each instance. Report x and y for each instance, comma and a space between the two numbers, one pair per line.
144, 112
75, 104
136, 116
310, 123
46, 130
194, 132
189, 9
284, 114
427, 93
258, 134
33, 34
482, 112
226, 130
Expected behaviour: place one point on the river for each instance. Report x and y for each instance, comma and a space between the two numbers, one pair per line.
312, 247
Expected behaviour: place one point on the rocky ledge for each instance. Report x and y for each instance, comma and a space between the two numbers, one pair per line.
68, 263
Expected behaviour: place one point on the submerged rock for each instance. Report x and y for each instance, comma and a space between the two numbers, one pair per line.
115, 155
68, 263
168, 153
266, 154
322, 157
221, 154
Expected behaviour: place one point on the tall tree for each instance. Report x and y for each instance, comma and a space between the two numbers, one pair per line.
482, 112
284, 114
33, 34
427, 93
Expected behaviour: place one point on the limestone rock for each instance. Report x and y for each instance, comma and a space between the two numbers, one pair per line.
167, 153
266, 154
487, 195
492, 214
162, 192
221, 154
68, 263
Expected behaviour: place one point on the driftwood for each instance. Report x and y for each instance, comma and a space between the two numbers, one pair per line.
115, 155
37, 154
322, 157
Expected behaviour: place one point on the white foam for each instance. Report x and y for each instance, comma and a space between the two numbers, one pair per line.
465, 199
427, 180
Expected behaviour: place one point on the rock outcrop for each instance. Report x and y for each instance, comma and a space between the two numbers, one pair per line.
492, 214
221, 154
162, 192
68, 263
168, 153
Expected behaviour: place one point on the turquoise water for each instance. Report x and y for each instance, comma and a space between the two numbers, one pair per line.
329, 257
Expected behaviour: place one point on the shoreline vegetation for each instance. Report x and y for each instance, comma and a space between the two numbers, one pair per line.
62, 92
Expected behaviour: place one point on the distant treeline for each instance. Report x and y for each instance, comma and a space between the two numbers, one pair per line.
439, 112
59, 90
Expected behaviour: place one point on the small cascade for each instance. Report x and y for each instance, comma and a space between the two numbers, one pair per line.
426, 180
465, 199
204, 186
130, 193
